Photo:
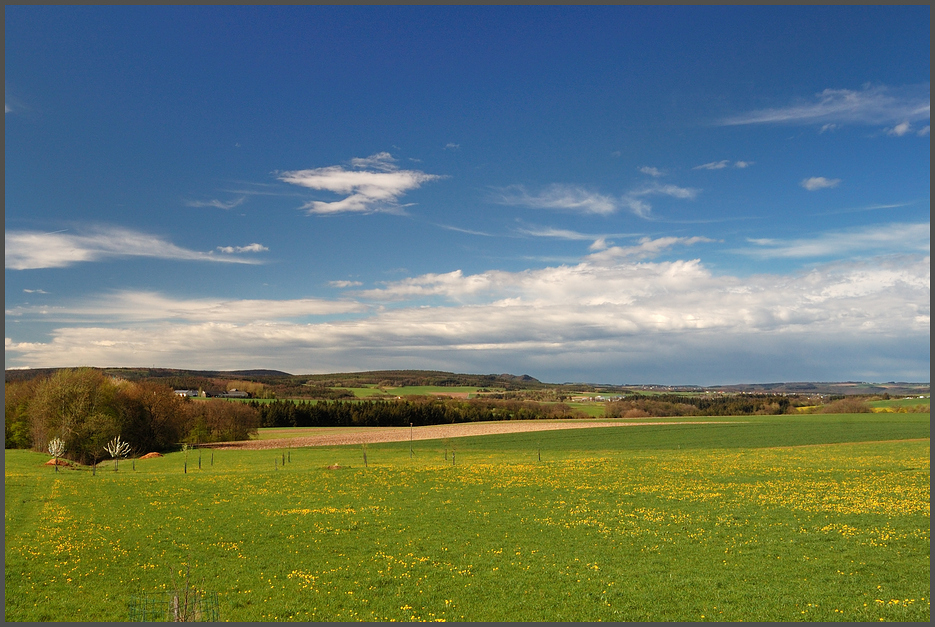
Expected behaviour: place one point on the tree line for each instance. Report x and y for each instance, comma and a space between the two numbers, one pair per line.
418, 411
637, 406
86, 409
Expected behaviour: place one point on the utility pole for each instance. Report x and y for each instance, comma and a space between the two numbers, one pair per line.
410, 439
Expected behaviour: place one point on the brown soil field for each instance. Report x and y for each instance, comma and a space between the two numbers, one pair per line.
336, 436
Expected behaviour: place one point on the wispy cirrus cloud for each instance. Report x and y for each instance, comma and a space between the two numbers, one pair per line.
582, 200
373, 184
647, 247
559, 196
872, 105
30, 250
814, 183
547, 231
599, 242
249, 248
651, 171
344, 284
217, 204
895, 238
724, 163
142, 306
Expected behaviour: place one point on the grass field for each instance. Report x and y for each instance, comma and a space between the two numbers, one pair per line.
411, 390
821, 517
900, 402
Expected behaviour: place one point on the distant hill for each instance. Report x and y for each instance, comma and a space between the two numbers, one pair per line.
286, 385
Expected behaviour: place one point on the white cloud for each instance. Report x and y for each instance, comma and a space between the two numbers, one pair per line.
826, 128
29, 250
376, 185
599, 244
639, 207
249, 248
558, 196
877, 239
923, 131
28, 291
381, 161
819, 182
646, 248
343, 284
219, 204
537, 231
655, 172
899, 130
579, 199
139, 306
452, 146
667, 190
872, 105
714, 165
638, 320
724, 163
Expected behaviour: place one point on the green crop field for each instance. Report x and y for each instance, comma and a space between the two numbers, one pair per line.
410, 390
901, 402
808, 517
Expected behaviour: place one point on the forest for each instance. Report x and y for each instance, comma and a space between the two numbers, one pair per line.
86, 409
418, 411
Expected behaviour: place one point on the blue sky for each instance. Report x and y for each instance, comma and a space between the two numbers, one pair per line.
680, 195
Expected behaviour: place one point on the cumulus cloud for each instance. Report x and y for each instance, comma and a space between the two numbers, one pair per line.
249, 248
654, 172
632, 318
819, 182
600, 243
877, 239
218, 204
373, 183
582, 200
343, 284
29, 250
873, 105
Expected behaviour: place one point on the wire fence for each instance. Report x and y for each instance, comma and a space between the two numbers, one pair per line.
192, 606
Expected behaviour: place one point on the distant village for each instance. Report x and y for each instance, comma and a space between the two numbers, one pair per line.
235, 393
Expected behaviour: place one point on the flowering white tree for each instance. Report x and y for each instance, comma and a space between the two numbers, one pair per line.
56, 450
117, 449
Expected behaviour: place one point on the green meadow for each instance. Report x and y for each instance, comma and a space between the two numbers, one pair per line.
770, 518
410, 390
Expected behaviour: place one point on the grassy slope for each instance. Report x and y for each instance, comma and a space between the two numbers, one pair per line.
676, 522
